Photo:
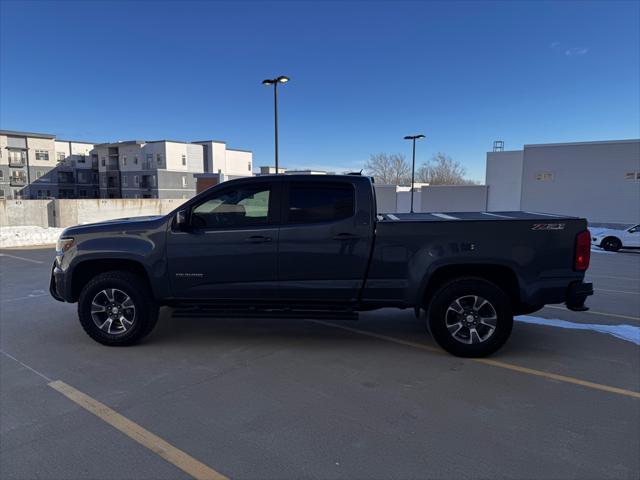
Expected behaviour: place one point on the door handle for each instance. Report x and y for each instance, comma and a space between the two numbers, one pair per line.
257, 239
346, 236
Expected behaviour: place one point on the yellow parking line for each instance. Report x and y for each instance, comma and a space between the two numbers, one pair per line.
134, 431
493, 363
594, 312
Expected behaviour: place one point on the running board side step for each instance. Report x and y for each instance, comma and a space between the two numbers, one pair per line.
197, 312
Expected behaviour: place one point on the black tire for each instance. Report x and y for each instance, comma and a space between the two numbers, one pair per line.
611, 244
442, 317
116, 283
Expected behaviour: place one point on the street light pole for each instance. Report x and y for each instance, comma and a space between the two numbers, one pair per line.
275, 82
413, 138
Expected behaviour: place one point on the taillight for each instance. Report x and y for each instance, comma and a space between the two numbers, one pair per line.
583, 250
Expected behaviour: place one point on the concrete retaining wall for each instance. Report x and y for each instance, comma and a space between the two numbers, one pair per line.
64, 213
454, 198
40, 213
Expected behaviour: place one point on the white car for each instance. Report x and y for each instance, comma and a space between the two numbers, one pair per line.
614, 240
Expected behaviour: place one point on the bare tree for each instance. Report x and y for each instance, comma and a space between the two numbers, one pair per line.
442, 170
389, 169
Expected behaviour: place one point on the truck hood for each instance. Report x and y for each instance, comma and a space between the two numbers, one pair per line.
120, 224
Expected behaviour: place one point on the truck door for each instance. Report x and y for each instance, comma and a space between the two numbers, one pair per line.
229, 249
325, 240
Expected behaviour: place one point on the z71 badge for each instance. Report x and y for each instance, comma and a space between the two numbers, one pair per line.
548, 226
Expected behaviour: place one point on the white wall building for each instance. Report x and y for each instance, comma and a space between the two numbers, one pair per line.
230, 162
596, 180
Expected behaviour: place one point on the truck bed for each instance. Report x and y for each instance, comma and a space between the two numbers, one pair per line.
471, 216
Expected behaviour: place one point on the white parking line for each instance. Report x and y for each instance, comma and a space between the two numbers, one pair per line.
591, 275
593, 312
616, 291
20, 258
28, 297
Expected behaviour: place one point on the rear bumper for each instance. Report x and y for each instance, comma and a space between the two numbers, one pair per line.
577, 293
57, 284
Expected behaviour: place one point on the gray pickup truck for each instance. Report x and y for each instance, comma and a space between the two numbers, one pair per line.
314, 247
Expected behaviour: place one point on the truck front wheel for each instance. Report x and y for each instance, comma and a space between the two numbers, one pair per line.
116, 308
470, 317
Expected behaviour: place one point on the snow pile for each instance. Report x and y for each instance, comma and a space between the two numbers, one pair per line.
25, 236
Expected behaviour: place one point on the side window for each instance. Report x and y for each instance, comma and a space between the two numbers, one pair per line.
635, 229
311, 202
241, 207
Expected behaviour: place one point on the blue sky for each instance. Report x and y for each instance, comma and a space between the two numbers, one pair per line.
364, 74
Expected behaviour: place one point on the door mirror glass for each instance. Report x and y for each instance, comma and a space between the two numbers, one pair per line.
182, 219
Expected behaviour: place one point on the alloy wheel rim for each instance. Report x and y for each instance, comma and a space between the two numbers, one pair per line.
113, 311
471, 319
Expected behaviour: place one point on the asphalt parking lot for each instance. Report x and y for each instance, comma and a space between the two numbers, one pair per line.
304, 399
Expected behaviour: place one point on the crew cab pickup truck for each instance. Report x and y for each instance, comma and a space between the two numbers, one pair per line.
315, 247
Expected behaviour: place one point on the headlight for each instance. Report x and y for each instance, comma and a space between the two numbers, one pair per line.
63, 244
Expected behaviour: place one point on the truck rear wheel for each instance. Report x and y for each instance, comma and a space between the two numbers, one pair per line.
470, 317
117, 308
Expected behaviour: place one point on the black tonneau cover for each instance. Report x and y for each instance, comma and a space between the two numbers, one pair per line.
454, 216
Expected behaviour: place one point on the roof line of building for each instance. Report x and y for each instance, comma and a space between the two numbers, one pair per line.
27, 134
207, 141
240, 150
77, 141
630, 140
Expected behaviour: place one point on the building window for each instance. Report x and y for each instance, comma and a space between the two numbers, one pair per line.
82, 193
16, 158
136, 180
61, 157
135, 159
1, 193
249, 166
104, 161
124, 160
125, 181
1, 174
159, 159
184, 159
82, 158
38, 173
184, 181
42, 155
544, 176
632, 176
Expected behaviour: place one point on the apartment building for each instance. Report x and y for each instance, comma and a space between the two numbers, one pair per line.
142, 169
36, 165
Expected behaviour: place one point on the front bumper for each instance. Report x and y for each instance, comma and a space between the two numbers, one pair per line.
577, 293
57, 283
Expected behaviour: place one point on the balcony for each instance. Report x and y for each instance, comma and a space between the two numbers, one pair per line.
17, 162
17, 180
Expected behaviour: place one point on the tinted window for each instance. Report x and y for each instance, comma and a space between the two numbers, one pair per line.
242, 207
320, 202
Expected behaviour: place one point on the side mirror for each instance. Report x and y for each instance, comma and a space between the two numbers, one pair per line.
182, 219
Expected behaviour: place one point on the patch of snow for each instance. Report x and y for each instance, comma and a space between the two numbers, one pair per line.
26, 236
630, 333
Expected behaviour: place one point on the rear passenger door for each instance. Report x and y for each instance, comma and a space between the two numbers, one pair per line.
325, 241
